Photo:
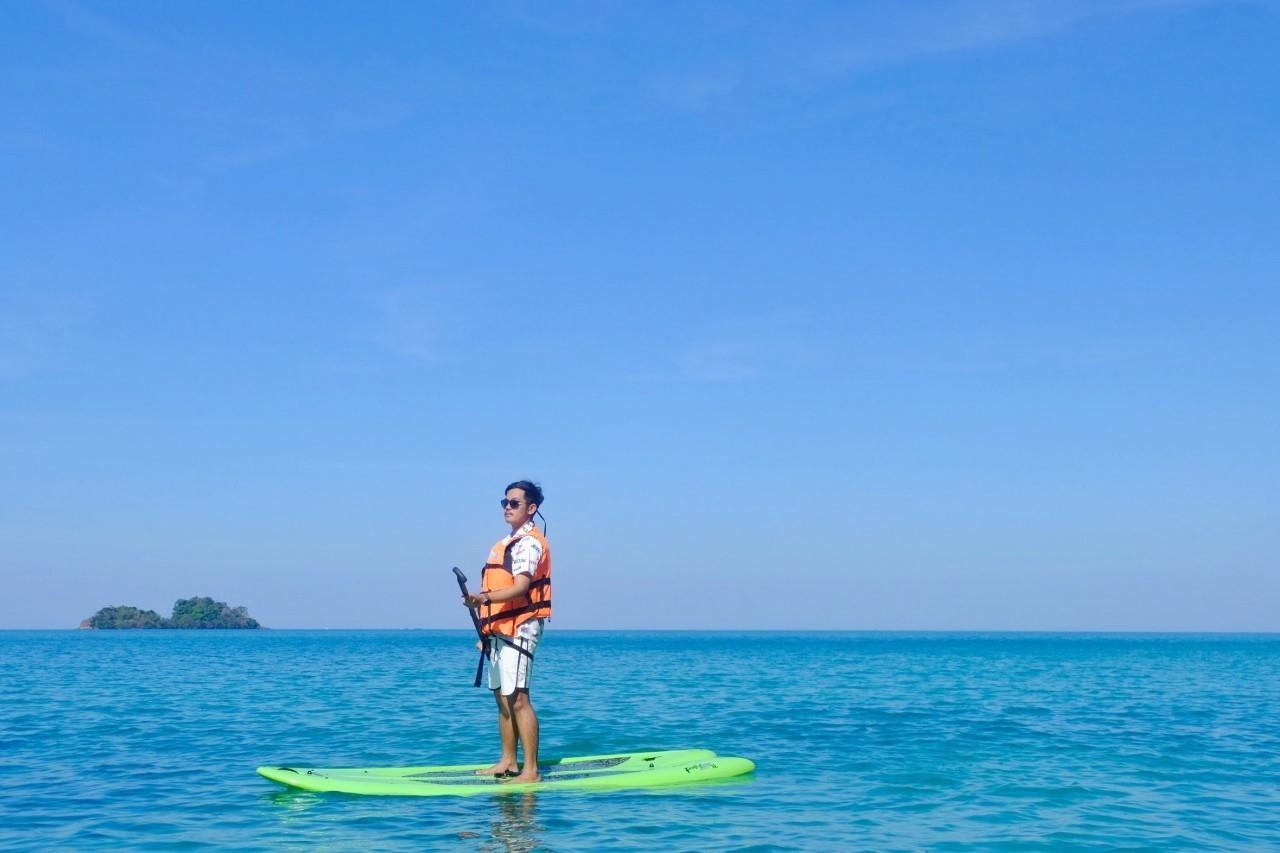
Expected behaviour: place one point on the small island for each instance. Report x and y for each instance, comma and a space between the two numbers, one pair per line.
199, 612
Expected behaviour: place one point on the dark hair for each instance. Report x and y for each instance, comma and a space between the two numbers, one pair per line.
532, 491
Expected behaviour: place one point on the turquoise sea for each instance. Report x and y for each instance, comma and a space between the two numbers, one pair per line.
148, 740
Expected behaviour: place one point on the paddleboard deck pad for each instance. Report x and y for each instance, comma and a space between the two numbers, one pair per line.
582, 773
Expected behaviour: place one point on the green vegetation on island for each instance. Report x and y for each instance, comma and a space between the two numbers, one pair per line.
199, 612
124, 617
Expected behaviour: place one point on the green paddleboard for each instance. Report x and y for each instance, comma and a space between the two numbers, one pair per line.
589, 772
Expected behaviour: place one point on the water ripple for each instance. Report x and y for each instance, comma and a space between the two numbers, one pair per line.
148, 740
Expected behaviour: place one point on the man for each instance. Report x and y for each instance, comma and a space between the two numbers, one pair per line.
513, 604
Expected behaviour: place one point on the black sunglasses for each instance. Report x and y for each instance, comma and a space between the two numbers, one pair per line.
506, 503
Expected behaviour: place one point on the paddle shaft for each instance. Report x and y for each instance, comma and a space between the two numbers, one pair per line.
462, 585
475, 620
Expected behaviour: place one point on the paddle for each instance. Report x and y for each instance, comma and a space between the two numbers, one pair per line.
475, 621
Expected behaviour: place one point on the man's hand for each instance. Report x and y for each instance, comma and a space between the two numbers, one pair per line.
473, 601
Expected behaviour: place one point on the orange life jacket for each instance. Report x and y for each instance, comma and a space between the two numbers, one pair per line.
504, 617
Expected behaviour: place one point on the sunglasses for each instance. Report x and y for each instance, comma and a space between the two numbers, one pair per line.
506, 504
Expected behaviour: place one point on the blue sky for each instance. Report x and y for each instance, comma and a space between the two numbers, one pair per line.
947, 315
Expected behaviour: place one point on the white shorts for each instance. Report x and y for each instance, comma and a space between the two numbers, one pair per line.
509, 668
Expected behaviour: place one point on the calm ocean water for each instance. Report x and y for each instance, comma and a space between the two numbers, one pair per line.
149, 739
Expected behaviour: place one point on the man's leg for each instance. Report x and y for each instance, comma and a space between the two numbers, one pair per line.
507, 731
526, 724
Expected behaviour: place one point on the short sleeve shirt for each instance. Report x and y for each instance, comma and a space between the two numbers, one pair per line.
525, 554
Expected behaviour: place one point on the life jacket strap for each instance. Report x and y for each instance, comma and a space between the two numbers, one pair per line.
484, 653
533, 607
485, 648
538, 584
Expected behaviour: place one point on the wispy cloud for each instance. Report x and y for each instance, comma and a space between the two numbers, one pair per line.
797, 51
910, 31
98, 27
244, 107
697, 90
248, 138
409, 322
751, 347
273, 138
983, 356
369, 117
573, 18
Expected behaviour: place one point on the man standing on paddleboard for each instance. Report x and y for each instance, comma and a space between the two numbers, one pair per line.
513, 604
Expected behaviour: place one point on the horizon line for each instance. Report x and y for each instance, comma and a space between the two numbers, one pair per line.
1059, 631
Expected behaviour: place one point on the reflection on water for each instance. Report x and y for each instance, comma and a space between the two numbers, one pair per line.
515, 826
292, 802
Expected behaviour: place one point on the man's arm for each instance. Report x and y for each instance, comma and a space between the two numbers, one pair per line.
519, 588
525, 555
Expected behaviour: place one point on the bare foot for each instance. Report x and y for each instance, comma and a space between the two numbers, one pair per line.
502, 768
522, 777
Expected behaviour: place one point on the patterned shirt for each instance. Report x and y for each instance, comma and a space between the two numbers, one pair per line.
525, 556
